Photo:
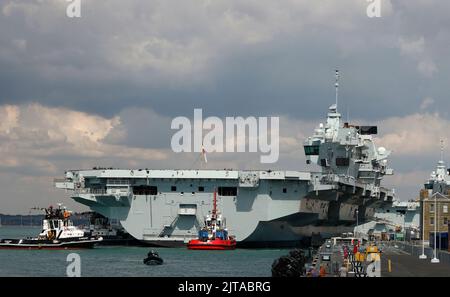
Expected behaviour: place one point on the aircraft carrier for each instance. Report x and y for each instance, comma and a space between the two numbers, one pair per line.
263, 208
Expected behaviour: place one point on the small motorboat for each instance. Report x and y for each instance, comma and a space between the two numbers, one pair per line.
214, 235
153, 258
58, 232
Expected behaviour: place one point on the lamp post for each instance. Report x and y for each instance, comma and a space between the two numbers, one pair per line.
435, 259
404, 227
423, 256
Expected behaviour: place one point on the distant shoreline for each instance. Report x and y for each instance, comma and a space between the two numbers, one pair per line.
24, 226
34, 220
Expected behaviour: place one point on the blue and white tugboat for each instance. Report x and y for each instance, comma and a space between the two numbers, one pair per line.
58, 232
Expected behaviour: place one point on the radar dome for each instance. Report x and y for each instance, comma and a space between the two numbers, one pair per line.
381, 150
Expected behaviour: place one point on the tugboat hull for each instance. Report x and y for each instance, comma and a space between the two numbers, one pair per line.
216, 244
46, 244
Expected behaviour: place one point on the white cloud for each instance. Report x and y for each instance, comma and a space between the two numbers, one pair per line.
10, 118
414, 135
415, 49
427, 102
170, 59
407, 184
427, 67
42, 142
30, 132
412, 47
37, 139
33, 135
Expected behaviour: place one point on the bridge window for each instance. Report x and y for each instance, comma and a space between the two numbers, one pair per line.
311, 150
342, 161
173, 188
368, 130
145, 190
227, 191
429, 186
201, 189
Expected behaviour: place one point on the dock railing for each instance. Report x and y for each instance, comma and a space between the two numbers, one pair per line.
416, 250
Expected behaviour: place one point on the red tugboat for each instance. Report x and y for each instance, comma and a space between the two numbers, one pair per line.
214, 235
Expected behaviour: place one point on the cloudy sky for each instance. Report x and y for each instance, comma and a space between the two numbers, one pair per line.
101, 90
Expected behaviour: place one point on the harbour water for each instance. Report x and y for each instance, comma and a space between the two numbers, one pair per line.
127, 261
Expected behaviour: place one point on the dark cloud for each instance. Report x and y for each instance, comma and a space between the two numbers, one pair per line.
224, 57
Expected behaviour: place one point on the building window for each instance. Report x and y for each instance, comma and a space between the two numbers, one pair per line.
445, 221
431, 221
431, 207
445, 208
173, 188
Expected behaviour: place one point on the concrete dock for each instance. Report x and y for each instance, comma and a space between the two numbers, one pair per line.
379, 259
404, 264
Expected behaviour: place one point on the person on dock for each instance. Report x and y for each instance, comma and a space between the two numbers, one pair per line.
322, 272
343, 271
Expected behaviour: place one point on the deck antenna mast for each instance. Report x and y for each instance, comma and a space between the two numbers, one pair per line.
442, 150
336, 85
214, 211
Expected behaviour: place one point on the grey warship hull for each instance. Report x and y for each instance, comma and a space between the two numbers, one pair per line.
262, 208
